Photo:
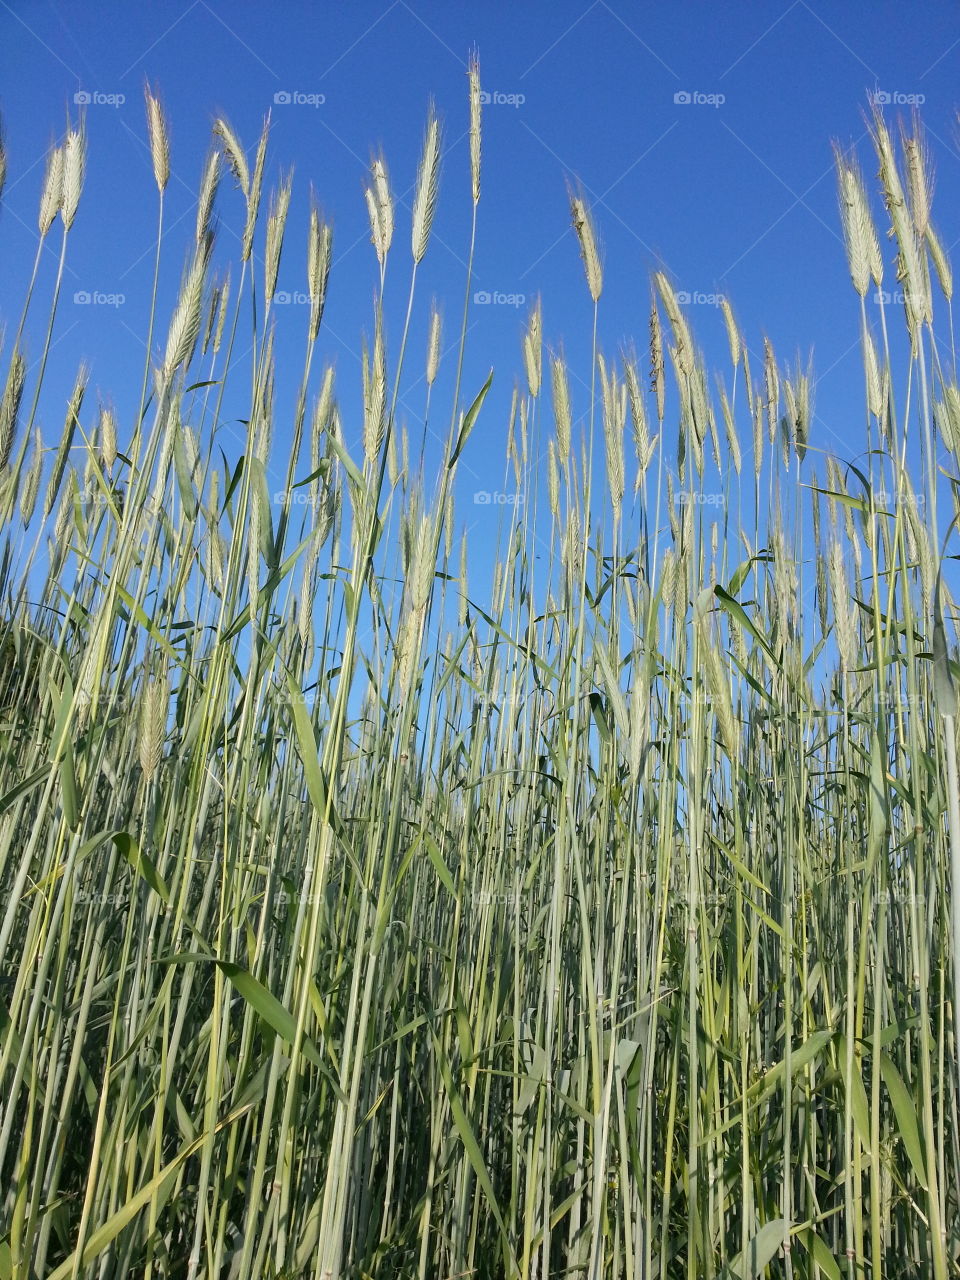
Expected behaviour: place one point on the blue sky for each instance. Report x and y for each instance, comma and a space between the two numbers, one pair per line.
731, 191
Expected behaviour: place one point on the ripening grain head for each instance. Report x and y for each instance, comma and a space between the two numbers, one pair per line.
428, 186
587, 240
159, 141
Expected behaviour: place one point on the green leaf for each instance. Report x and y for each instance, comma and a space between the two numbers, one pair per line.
350, 466
799, 1058
181, 467
469, 419
137, 613
260, 488
819, 1252
144, 867
737, 611
307, 742
741, 574
25, 785
472, 1148
158, 1187
905, 1110
276, 1015
317, 788
759, 1252
61, 748
857, 1095
943, 686
446, 879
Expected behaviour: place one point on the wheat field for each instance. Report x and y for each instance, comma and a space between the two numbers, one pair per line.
365, 914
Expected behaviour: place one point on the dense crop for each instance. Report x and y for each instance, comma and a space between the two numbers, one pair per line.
358, 919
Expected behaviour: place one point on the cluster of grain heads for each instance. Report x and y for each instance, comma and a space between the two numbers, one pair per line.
365, 916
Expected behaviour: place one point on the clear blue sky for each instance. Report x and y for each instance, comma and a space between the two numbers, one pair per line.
735, 195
